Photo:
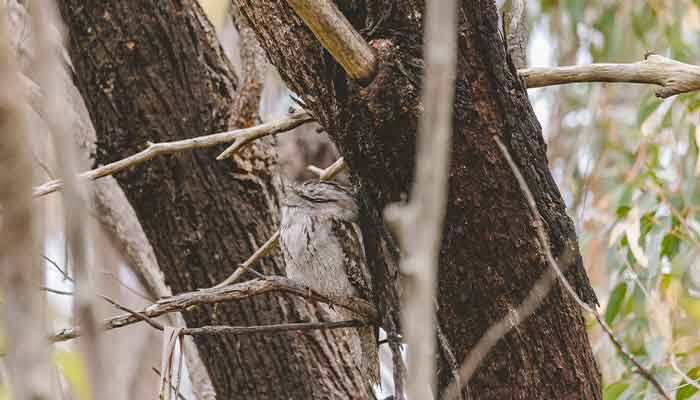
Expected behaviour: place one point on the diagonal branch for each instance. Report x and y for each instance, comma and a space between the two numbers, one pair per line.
673, 76
243, 290
533, 300
243, 136
338, 36
329, 173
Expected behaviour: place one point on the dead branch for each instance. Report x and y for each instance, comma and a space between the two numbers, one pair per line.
29, 367
275, 328
243, 290
419, 224
329, 173
338, 36
533, 300
258, 254
673, 76
156, 149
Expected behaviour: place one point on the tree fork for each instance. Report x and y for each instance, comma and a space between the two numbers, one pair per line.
489, 254
152, 71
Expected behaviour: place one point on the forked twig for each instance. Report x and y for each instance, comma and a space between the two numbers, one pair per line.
157, 149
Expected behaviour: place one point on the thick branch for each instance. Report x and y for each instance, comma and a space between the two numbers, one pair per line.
338, 36
673, 76
240, 136
235, 292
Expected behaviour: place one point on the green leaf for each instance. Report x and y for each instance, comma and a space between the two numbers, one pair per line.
615, 303
688, 391
622, 211
646, 223
670, 245
614, 390
648, 106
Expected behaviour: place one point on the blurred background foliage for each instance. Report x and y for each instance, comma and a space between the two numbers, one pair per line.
627, 165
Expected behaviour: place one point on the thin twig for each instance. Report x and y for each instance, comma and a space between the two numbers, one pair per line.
157, 149
274, 328
58, 268
329, 173
56, 291
241, 330
179, 395
150, 321
229, 293
693, 382
534, 299
258, 254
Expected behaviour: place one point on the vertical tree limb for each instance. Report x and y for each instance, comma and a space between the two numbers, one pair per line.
419, 223
78, 230
20, 268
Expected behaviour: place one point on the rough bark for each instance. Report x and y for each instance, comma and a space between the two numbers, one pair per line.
489, 256
153, 71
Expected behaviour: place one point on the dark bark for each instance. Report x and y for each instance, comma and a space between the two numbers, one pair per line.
153, 71
490, 257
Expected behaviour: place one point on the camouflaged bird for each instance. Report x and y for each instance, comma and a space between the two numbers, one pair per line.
322, 247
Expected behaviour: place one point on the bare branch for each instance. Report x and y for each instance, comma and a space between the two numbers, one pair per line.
673, 76
259, 253
157, 149
533, 300
224, 294
419, 223
338, 36
56, 291
329, 173
275, 328
248, 135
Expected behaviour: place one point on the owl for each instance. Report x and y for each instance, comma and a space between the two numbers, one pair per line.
322, 246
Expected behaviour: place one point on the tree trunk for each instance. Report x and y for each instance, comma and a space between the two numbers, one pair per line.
153, 71
490, 257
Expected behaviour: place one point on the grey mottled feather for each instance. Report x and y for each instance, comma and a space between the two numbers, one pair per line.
322, 247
